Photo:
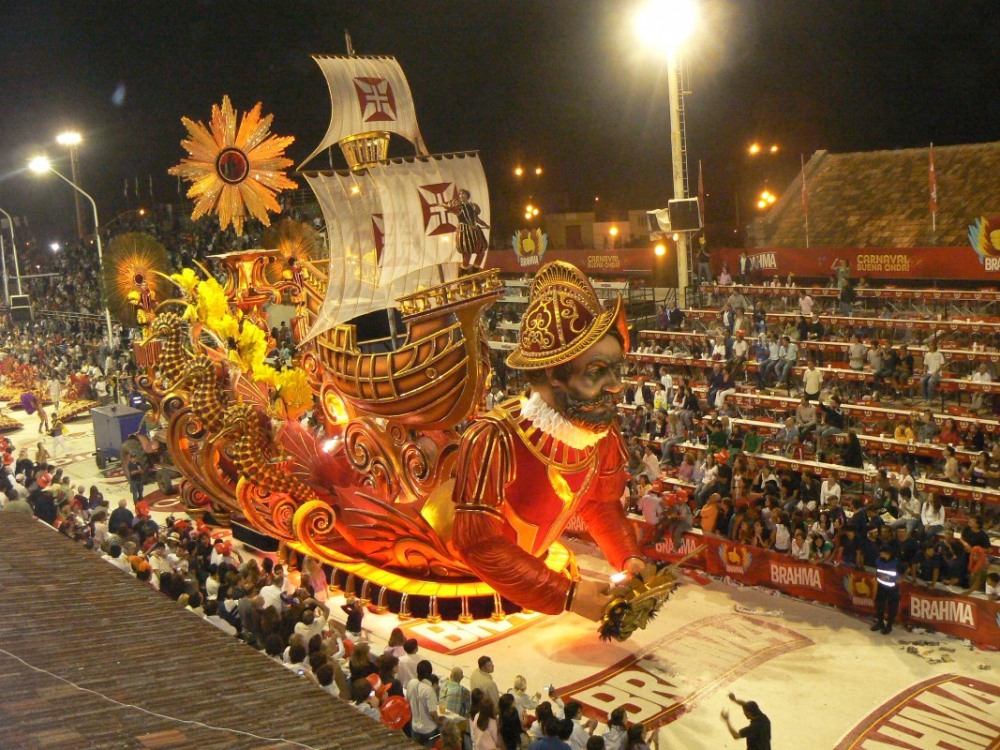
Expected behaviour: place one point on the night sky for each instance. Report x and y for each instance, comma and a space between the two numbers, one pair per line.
564, 84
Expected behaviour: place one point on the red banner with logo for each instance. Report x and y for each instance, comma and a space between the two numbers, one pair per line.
974, 619
955, 263
594, 262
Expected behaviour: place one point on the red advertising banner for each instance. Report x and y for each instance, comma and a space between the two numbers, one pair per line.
608, 262
971, 618
954, 263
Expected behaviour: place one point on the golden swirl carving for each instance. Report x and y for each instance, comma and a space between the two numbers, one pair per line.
415, 555
365, 447
266, 510
315, 521
426, 464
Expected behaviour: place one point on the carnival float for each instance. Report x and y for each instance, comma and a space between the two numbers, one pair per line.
384, 482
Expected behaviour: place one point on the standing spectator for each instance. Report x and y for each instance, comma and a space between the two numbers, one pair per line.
704, 268
812, 381
758, 732
482, 679
424, 705
744, 268
509, 723
857, 354
121, 516
933, 366
133, 469
408, 661
806, 303
454, 695
888, 571
484, 727
355, 616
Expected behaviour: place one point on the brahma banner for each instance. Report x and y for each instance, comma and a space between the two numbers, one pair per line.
932, 263
972, 618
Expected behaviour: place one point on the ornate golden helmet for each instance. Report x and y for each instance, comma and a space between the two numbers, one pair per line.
564, 319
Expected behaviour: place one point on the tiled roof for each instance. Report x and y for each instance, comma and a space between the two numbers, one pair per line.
65, 611
882, 199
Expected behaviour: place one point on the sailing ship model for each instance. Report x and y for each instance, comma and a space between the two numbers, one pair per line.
371, 493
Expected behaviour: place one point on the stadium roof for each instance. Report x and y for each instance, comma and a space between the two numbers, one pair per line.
882, 199
68, 613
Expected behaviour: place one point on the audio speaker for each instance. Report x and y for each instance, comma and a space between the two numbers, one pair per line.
20, 308
685, 215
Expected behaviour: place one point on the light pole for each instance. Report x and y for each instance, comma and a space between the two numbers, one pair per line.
665, 24
41, 165
13, 250
72, 140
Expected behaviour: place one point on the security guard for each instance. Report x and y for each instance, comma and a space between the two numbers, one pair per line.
888, 572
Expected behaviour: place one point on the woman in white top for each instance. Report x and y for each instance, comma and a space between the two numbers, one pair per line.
830, 489
709, 471
905, 479
614, 735
932, 516
484, 727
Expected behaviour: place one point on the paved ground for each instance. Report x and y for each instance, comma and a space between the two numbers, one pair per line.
821, 676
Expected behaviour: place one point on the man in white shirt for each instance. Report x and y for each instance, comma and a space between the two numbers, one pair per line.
668, 384
314, 619
933, 364
271, 594
408, 662
116, 558
482, 678
212, 615
423, 704
981, 375
806, 303
812, 381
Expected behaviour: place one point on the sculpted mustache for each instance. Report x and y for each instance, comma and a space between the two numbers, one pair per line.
602, 401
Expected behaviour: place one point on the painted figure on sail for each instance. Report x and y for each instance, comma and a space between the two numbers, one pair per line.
470, 237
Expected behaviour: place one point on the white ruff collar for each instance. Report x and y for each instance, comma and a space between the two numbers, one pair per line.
551, 422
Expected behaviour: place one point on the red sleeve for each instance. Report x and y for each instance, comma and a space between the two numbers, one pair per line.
480, 532
603, 512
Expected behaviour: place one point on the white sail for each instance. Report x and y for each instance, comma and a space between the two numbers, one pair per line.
355, 231
367, 94
418, 197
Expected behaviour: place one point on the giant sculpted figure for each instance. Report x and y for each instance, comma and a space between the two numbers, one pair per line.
527, 466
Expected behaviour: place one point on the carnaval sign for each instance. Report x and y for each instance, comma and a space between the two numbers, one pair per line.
979, 262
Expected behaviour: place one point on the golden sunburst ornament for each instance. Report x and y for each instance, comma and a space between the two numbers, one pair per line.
295, 241
134, 268
235, 168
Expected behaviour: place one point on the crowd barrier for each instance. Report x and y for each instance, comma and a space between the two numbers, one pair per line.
971, 618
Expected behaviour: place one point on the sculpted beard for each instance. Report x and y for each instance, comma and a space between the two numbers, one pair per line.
595, 414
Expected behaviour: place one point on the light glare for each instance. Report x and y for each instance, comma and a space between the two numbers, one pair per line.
660, 249
40, 164
666, 23
69, 138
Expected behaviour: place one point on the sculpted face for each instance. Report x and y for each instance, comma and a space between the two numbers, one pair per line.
587, 394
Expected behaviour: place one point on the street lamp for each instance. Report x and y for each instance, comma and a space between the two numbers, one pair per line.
518, 171
13, 249
41, 165
55, 247
72, 140
665, 24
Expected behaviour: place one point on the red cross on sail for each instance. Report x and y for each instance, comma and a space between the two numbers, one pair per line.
434, 200
378, 231
375, 97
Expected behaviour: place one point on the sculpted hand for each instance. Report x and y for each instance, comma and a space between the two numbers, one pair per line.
591, 598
